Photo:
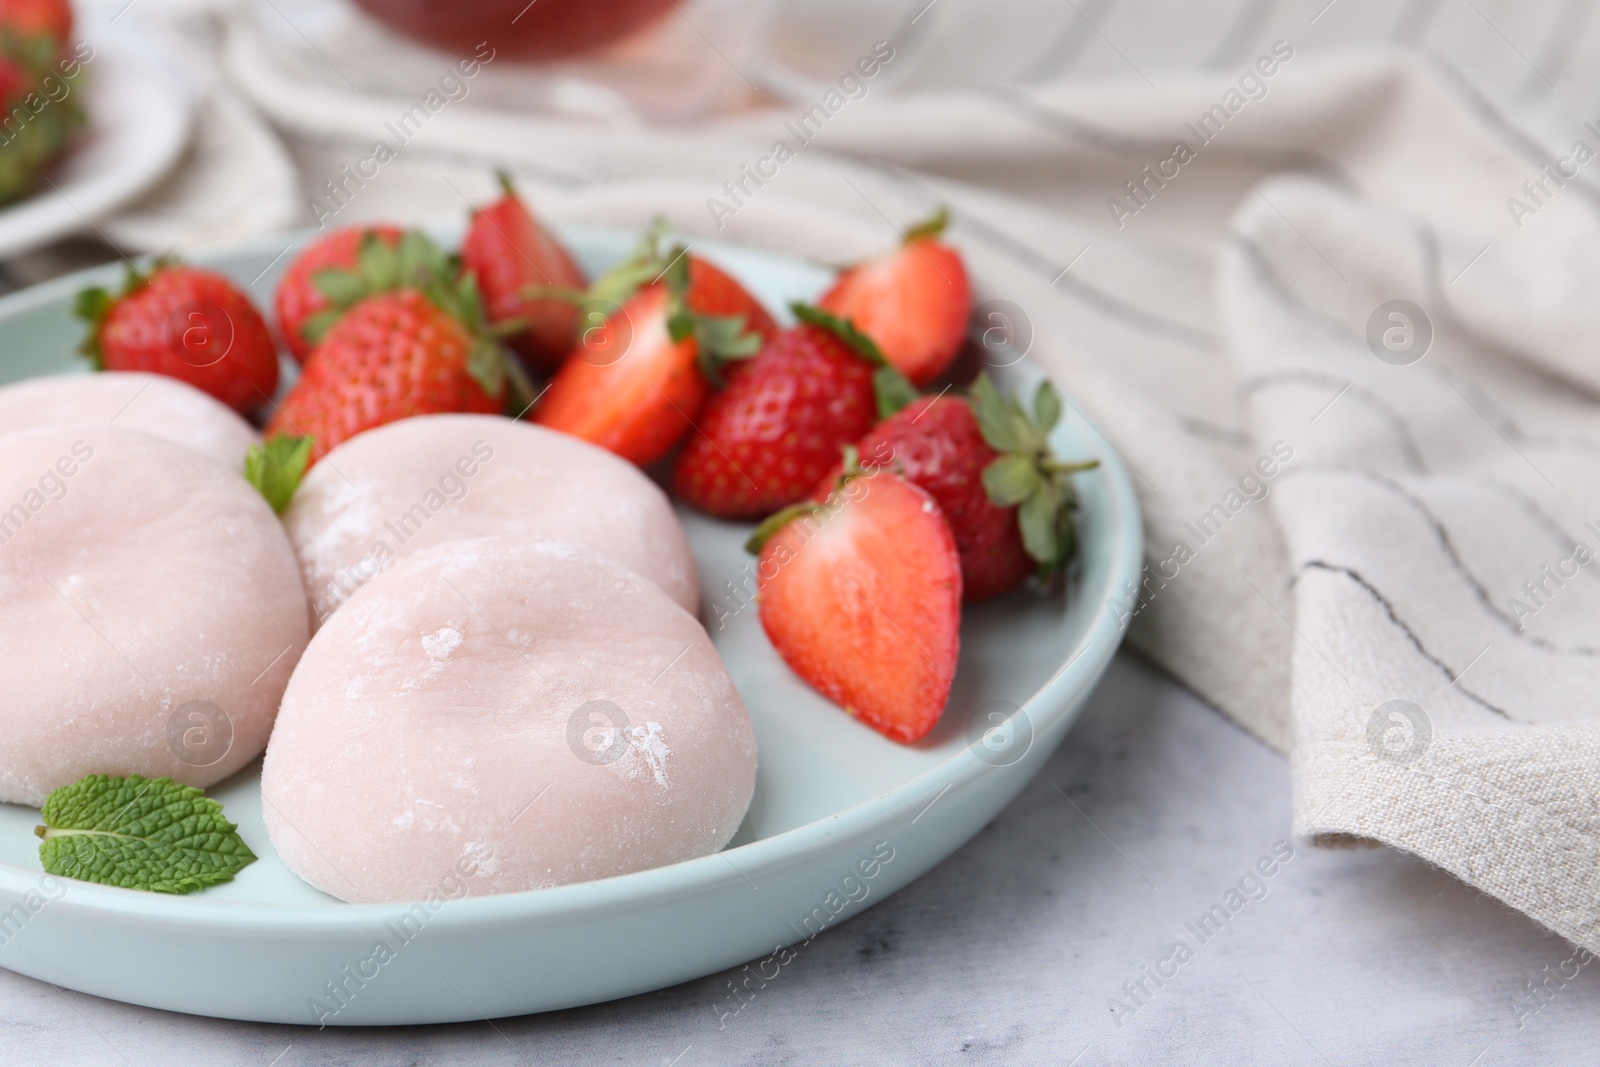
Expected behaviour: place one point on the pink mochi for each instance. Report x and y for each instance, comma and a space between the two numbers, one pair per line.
154, 611
529, 713
395, 490
152, 403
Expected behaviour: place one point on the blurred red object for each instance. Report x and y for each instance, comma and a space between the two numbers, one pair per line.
518, 29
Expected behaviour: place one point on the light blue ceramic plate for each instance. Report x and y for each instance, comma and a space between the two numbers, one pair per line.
842, 817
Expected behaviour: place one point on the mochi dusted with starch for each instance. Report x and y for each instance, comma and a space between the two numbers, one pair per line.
153, 612
130, 400
528, 711
420, 482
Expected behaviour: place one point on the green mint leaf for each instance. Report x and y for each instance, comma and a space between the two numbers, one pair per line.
1047, 406
932, 226
893, 391
1010, 480
275, 467
139, 833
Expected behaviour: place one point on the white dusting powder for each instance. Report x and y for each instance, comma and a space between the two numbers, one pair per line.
647, 750
440, 644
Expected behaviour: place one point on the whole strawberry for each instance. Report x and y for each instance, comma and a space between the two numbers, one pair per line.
914, 302
638, 377
304, 310
768, 438
391, 356
186, 323
861, 596
949, 446
513, 258
32, 20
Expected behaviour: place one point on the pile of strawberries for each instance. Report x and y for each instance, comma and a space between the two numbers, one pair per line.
39, 69
882, 508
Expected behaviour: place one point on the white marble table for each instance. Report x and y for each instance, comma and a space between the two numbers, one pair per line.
1010, 952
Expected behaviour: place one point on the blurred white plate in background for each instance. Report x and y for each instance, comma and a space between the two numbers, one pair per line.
139, 121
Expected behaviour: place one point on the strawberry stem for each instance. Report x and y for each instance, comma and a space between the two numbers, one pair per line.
777, 521
932, 226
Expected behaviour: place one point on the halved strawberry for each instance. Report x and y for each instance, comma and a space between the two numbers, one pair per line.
511, 254
1010, 524
769, 437
861, 596
635, 383
300, 300
914, 302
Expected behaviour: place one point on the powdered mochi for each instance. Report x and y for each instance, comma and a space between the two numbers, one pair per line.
420, 482
153, 611
152, 403
526, 713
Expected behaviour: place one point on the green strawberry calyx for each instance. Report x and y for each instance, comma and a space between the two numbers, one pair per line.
416, 262
719, 339
380, 266
932, 226
94, 305
1027, 475
892, 389
848, 472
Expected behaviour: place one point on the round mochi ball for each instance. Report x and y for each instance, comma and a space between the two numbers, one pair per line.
130, 400
153, 612
420, 482
521, 713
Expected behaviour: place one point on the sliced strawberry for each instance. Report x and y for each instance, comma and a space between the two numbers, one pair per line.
632, 388
636, 383
511, 255
300, 300
914, 302
768, 438
862, 599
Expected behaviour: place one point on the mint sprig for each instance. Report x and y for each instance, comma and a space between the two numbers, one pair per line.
139, 833
275, 467
1027, 475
